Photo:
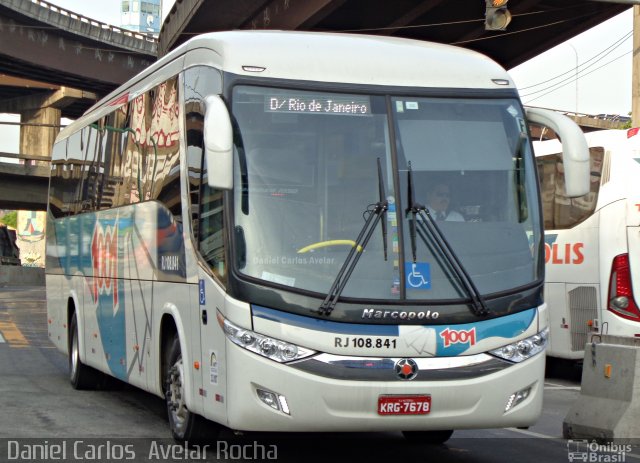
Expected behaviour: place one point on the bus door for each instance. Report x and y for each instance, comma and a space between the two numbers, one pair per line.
210, 299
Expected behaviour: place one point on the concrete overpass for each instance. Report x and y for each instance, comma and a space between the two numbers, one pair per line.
23, 186
55, 63
41, 42
537, 25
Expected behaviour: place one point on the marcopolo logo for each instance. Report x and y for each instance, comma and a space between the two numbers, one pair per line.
400, 314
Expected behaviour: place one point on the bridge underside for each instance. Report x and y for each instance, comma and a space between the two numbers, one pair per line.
537, 25
38, 44
23, 187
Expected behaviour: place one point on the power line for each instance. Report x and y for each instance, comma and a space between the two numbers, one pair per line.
572, 78
452, 23
573, 70
584, 75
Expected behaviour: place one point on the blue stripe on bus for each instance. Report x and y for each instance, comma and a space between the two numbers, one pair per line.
327, 326
506, 327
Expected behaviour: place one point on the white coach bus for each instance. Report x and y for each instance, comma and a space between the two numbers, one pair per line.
243, 230
592, 243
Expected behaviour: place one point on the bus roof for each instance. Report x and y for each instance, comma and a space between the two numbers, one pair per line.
351, 58
326, 57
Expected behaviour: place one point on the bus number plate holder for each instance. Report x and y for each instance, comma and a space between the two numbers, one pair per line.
404, 404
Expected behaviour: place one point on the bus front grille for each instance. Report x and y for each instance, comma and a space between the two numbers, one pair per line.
583, 306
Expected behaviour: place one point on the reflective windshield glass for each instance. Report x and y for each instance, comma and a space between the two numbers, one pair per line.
306, 180
472, 170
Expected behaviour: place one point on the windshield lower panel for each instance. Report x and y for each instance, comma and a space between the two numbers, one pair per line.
306, 179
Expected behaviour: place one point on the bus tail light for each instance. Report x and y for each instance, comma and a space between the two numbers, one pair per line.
621, 300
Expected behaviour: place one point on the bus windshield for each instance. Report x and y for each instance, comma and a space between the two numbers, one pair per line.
306, 180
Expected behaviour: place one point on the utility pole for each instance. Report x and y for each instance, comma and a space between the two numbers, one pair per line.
635, 80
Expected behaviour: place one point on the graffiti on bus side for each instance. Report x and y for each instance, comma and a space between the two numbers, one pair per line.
104, 261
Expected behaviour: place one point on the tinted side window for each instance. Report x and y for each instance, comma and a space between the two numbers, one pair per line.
129, 156
207, 206
163, 148
115, 135
61, 188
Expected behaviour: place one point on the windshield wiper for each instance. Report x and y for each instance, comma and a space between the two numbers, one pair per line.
379, 211
383, 198
429, 227
413, 208
519, 179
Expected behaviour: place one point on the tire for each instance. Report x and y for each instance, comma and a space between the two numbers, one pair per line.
81, 376
427, 437
184, 425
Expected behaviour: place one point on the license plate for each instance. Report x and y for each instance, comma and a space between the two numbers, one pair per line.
404, 404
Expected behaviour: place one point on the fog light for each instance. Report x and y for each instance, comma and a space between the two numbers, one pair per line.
516, 398
276, 401
268, 398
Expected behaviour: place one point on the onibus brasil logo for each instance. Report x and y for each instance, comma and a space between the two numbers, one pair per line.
593, 452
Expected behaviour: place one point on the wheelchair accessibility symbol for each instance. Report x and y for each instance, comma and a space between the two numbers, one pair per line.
418, 275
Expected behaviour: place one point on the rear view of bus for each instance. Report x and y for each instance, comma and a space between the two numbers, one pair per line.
357, 245
591, 243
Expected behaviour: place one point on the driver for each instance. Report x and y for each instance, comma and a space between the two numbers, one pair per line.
439, 201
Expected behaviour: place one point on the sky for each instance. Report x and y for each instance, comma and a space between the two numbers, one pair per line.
106, 11
601, 57
604, 57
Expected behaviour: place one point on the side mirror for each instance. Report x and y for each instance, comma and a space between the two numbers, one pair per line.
218, 143
575, 151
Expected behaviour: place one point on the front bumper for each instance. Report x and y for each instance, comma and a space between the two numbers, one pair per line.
318, 403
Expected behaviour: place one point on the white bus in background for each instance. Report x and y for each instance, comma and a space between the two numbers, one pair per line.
592, 243
243, 230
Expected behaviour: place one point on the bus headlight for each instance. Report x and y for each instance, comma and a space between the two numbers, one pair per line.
266, 346
523, 349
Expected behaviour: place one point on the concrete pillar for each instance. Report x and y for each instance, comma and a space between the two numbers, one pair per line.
37, 139
40, 116
38, 132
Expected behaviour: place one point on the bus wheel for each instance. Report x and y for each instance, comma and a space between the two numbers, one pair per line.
427, 437
81, 376
184, 425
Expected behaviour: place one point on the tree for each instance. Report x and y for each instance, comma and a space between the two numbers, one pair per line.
10, 219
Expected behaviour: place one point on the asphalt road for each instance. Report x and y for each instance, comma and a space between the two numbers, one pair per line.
38, 407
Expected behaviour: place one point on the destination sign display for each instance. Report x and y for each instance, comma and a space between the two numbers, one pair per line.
346, 105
